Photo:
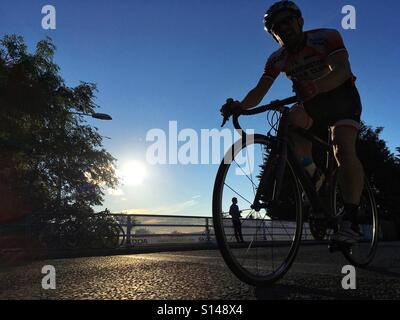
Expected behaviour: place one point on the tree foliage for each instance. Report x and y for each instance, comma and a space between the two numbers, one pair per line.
49, 156
383, 169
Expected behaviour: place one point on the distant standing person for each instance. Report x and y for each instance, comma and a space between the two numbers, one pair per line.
235, 214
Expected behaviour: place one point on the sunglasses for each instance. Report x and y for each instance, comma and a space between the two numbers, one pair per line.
288, 20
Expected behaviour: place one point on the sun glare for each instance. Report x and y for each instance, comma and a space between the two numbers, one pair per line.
132, 173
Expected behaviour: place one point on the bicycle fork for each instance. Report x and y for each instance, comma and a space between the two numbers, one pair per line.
274, 168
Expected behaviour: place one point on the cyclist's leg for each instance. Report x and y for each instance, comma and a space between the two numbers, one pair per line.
351, 182
351, 173
302, 147
345, 123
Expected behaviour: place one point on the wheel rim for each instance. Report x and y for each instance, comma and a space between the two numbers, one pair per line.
271, 244
362, 253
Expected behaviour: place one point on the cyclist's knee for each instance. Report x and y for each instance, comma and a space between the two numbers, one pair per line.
344, 142
344, 137
345, 154
299, 118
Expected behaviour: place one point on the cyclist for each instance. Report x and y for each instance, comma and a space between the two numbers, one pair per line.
316, 61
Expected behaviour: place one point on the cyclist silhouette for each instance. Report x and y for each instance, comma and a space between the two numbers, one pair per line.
234, 212
316, 61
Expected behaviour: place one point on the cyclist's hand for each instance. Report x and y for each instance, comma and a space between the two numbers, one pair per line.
305, 90
229, 108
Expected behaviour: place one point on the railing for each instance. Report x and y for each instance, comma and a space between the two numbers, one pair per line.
142, 230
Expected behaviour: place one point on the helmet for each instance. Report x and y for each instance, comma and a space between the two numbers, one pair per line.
277, 7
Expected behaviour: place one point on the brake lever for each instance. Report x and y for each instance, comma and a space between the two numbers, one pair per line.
224, 121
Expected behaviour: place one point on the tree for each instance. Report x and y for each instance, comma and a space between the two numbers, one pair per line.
49, 156
383, 170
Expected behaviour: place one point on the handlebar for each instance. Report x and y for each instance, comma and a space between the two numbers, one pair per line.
276, 105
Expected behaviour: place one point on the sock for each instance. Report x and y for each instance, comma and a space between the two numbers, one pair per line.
311, 169
309, 165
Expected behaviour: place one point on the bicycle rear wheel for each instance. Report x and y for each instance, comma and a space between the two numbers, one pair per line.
361, 253
272, 235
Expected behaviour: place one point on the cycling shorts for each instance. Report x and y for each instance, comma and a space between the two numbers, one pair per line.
338, 107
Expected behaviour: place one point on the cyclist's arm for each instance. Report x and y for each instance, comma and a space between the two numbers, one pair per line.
254, 97
340, 72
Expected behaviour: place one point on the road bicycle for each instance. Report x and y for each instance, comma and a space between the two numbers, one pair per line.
273, 189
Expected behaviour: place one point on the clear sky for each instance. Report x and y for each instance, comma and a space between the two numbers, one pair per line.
156, 61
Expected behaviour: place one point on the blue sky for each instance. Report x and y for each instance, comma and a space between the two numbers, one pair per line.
156, 61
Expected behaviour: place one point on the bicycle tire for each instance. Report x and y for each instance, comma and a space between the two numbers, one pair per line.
369, 197
225, 249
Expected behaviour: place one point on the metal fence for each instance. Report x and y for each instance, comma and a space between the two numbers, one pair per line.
141, 230
144, 230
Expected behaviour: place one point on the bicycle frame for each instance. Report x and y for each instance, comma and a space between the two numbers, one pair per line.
282, 150
304, 178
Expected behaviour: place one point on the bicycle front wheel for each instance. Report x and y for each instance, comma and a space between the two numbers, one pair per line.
271, 235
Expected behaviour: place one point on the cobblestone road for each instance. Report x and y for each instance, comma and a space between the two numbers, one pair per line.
200, 274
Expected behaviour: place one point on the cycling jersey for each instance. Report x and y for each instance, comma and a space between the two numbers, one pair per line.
310, 62
338, 107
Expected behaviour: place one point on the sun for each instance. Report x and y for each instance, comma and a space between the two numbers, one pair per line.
132, 173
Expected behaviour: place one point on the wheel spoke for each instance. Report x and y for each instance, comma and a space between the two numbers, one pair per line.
238, 194
250, 178
254, 239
